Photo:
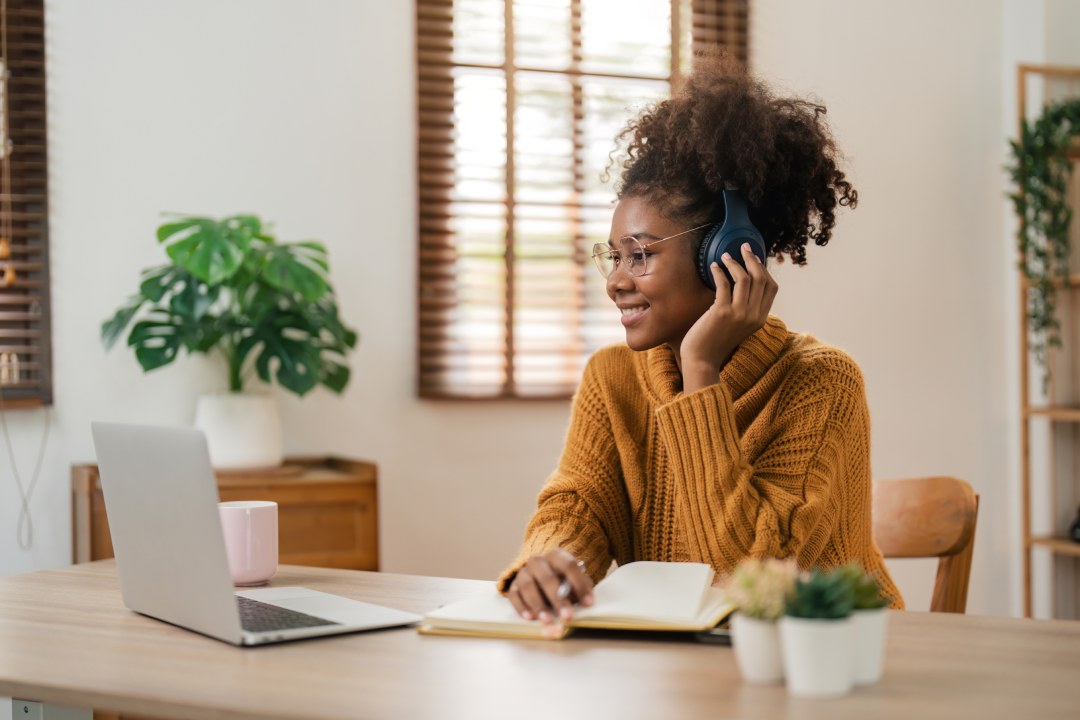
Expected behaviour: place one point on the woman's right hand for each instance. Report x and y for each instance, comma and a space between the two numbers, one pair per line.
534, 592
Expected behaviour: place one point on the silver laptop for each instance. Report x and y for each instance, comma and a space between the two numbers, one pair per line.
161, 498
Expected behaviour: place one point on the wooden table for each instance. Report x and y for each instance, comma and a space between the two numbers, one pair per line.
66, 638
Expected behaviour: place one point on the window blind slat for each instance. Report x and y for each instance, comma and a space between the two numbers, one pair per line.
518, 105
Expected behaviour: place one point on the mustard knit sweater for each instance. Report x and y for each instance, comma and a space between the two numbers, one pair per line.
772, 461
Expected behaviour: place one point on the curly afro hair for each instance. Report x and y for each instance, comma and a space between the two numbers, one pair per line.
726, 127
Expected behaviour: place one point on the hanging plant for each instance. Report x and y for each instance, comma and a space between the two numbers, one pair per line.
1041, 170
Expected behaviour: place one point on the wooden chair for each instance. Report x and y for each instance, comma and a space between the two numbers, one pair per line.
930, 517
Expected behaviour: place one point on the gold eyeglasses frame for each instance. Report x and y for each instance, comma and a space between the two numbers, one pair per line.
605, 254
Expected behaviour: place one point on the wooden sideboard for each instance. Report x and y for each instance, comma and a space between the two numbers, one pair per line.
327, 511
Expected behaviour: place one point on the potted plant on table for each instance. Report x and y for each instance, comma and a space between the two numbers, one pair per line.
869, 620
266, 307
816, 635
759, 589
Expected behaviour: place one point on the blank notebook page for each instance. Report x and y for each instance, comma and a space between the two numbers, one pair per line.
652, 591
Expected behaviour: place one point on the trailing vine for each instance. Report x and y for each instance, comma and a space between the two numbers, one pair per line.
1041, 170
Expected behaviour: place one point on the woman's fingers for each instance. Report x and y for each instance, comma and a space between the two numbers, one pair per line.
741, 296
545, 588
573, 572
758, 277
723, 288
513, 594
531, 596
547, 581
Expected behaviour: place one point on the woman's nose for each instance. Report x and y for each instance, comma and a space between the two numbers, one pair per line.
619, 279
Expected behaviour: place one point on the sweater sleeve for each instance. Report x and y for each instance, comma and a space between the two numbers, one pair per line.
787, 503
583, 507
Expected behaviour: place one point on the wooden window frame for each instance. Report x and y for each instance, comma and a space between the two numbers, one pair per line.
711, 23
25, 317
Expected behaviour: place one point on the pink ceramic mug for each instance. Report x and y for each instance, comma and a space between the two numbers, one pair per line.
251, 539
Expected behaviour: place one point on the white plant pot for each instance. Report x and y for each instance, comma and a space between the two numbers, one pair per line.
243, 431
868, 652
757, 649
817, 656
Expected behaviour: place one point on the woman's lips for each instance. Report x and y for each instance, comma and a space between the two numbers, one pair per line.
632, 316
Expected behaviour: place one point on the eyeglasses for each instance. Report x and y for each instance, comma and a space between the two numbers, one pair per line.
634, 256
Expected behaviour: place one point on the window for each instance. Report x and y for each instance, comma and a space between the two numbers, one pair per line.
25, 377
519, 103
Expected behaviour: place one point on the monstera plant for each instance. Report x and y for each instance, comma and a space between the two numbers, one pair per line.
231, 288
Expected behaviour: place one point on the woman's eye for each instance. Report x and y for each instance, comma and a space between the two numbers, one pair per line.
637, 257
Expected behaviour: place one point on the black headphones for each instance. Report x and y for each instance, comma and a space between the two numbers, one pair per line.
728, 237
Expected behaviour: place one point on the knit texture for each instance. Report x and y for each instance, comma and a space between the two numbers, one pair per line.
772, 461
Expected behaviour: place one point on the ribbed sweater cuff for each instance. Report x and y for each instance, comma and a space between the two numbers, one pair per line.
561, 530
702, 440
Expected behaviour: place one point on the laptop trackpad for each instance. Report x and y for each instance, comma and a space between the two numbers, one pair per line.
331, 607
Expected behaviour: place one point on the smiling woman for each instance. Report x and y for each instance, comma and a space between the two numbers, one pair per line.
714, 434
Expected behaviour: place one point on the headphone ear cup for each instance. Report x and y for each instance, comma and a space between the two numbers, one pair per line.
707, 255
729, 242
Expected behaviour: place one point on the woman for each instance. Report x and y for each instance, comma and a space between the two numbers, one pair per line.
715, 434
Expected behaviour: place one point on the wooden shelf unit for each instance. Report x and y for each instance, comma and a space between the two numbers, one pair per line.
327, 511
1055, 413
1061, 547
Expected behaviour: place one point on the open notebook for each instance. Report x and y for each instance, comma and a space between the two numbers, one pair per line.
638, 596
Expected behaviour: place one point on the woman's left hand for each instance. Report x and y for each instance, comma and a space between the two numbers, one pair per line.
734, 316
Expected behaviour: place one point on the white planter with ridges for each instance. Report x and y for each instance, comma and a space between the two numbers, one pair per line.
868, 652
817, 656
757, 649
243, 430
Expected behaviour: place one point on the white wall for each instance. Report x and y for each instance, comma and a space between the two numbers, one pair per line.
306, 116
913, 284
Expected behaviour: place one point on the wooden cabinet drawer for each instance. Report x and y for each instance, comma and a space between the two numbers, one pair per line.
327, 511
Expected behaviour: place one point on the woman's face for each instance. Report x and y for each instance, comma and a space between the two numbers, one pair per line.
662, 305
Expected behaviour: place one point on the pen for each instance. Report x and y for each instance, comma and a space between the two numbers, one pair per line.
564, 590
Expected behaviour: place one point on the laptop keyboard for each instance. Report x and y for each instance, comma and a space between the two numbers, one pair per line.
257, 616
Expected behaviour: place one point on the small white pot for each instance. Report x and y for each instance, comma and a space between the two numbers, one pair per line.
817, 656
243, 431
868, 652
757, 649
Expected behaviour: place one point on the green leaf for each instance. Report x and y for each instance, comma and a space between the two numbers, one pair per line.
194, 299
297, 269
208, 250
156, 281
335, 376
156, 343
206, 338
297, 363
112, 328
167, 230
249, 224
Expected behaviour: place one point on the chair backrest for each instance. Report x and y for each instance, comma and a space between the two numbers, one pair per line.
930, 517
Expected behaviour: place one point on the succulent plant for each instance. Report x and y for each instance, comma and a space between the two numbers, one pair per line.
760, 587
822, 596
866, 590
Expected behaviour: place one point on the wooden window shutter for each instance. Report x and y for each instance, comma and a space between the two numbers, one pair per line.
25, 377
518, 107
723, 23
